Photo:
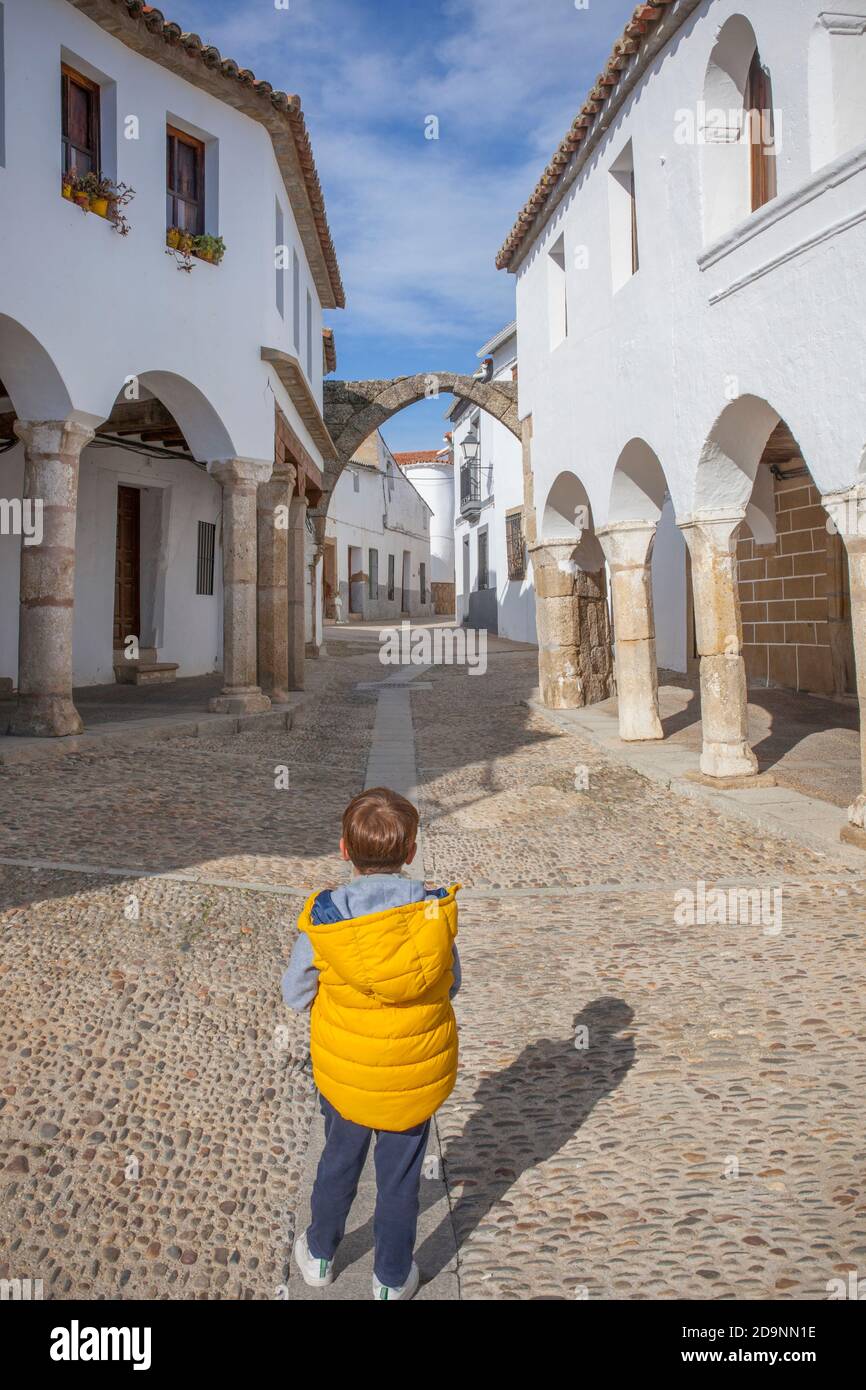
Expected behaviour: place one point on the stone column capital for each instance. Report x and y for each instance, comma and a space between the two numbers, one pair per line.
238, 472
626, 544
53, 438
715, 529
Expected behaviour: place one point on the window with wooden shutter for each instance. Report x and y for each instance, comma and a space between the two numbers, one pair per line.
79, 110
205, 558
515, 546
761, 133
184, 182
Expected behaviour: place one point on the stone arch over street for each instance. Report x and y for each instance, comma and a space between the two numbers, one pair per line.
354, 409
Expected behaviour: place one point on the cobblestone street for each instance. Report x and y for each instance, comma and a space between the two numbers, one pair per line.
156, 1101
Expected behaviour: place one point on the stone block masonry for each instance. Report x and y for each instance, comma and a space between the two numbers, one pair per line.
795, 600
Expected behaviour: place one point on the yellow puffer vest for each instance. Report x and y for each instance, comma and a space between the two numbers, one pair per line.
383, 1036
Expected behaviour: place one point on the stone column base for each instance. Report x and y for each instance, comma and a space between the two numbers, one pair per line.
248, 700
728, 760
45, 716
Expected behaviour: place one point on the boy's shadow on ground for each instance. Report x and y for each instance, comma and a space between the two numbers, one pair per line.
522, 1116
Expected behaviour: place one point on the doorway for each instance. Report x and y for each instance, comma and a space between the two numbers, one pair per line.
127, 567
329, 578
464, 605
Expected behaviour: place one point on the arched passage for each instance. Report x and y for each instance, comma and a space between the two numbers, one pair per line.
637, 498
772, 603
575, 658
32, 380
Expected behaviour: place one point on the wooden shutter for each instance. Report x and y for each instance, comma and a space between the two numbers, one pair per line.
759, 116
184, 181
79, 112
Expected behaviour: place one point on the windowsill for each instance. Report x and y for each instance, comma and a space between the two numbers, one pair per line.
82, 207
192, 253
838, 171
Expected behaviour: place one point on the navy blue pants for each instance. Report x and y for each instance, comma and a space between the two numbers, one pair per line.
398, 1158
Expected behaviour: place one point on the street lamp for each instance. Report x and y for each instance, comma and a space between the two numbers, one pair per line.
471, 445
470, 470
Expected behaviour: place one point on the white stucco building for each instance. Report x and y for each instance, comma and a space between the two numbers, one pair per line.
691, 309
494, 570
151, 403
377, 558
431, 473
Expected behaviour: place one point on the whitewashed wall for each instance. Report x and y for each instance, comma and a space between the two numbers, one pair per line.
378, 508
82, 309
774, 308
203, 330
435, 484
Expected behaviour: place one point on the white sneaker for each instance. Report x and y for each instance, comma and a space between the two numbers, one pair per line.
406, 1291
316, 1273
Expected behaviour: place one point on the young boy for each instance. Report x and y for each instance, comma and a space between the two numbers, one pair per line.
376, 960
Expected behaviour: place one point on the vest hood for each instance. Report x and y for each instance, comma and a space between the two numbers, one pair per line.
395, 956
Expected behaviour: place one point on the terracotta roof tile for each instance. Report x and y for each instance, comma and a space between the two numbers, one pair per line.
617, 66
289, 105
422, 456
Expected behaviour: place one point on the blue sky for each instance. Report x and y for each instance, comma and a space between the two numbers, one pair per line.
417, 222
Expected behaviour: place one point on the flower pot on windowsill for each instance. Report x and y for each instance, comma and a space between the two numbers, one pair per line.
209, 248
66, 191
81, 200
99, 205
172, 238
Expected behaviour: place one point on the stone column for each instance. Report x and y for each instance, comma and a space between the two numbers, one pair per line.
718, 626
273, 512
575, 666
52, 449
847, 511
239, 479
316, 644
628, 546
297, 636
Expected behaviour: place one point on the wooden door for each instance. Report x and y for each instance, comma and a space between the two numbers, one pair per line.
127, 568
329, 578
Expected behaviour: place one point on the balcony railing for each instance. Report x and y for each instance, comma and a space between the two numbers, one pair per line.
470, 484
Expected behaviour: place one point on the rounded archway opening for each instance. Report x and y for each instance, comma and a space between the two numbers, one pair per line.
29, 375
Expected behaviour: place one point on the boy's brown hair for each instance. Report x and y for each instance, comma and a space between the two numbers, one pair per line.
379, 830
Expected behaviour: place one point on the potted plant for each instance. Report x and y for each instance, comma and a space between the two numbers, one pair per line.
101, 193
180, 245
82, 190
68, 181
209, 248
